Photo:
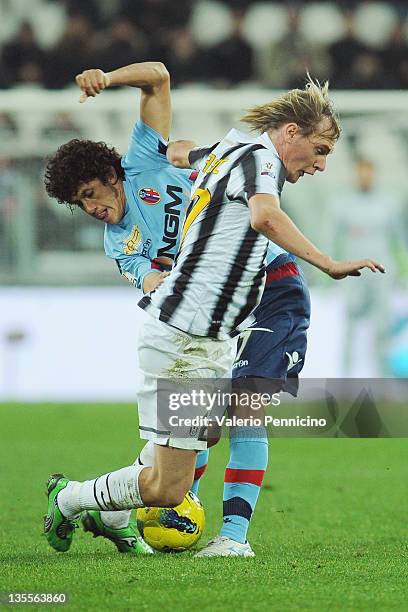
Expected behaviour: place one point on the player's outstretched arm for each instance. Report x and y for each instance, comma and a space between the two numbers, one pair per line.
268, 219
151, 77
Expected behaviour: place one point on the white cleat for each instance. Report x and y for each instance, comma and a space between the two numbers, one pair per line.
221, 546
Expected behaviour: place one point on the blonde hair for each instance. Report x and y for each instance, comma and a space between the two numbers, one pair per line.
306, 107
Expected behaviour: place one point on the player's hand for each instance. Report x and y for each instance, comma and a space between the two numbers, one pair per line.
153, 280
91, 83
341, 269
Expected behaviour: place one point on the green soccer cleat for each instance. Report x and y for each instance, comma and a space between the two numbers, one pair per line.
57, 528
126, 539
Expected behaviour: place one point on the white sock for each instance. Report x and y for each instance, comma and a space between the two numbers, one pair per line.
67, 499
146, 456
120, 518
117, 490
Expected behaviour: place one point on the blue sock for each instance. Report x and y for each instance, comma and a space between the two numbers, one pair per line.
201, 465
243, 479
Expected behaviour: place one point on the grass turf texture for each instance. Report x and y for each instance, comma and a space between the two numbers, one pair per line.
329, 530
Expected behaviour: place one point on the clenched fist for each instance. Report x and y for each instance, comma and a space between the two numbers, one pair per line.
91, 82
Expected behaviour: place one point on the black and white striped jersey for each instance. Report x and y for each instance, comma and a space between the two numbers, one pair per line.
218, 276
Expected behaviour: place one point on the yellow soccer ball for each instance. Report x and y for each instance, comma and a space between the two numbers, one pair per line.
172, 529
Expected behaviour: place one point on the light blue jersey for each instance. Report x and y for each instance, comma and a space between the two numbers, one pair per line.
157, 195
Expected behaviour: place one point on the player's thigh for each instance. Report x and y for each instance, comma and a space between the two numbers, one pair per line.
167, 352
277, 342
270, 361
157, 349
261, 349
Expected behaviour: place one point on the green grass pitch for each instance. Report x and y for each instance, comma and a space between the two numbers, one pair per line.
330, 530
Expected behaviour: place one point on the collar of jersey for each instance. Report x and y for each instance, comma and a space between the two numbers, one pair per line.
265, 139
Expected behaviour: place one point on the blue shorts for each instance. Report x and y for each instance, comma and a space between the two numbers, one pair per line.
274, 347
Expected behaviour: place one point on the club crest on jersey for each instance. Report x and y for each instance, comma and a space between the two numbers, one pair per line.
268, 169
149, 195
132, 242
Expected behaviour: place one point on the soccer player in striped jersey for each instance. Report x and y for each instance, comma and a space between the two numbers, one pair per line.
273, 349
193, 324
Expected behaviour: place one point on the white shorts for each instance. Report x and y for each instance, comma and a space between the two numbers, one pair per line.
169, 353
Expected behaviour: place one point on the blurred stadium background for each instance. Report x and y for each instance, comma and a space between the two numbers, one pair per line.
66, 314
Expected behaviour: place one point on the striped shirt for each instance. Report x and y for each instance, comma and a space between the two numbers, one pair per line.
218, 277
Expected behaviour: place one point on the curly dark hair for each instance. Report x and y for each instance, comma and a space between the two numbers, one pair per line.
77, 162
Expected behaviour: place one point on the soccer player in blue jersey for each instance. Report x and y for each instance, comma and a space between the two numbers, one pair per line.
140, 197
